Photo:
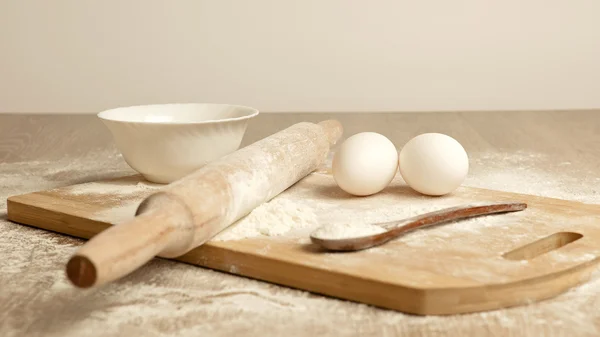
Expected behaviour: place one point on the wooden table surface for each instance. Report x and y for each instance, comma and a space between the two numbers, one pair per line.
555, 154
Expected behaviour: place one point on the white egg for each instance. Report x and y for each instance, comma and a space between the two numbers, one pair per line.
365, 163
434, 164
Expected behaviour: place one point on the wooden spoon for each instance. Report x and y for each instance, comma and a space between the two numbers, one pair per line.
395, 229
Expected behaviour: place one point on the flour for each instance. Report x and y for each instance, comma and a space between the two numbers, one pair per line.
346, 231
563, 257
534, 173
118, 214
32, 176
124, 195
301, 210
274, 218
112, 188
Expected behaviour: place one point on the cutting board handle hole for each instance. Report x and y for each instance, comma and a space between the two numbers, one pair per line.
542, 246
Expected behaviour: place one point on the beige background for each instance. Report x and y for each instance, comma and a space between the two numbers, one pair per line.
311, 55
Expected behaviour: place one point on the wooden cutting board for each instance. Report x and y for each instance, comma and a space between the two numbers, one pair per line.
479, 264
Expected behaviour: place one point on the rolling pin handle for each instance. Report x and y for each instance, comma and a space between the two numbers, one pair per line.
162, 227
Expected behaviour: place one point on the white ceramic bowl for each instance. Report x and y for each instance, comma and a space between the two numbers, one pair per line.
165, 142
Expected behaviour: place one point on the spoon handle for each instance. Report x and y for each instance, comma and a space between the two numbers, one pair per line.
418, 222
452, 214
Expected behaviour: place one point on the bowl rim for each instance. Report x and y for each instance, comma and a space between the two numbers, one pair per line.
252, 113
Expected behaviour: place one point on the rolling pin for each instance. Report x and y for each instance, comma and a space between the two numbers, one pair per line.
190, 211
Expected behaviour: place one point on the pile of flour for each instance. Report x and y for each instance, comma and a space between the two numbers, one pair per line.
346, 230
274, 218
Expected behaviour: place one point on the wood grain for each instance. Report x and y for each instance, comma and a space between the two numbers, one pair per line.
409, 282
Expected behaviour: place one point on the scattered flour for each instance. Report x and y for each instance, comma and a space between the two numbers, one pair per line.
564, 257
534, 173
516, 172
118, 214
346, 231
111, 188
170, 302
300, 210
31, 176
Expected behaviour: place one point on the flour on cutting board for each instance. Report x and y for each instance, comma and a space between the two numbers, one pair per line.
112, 188
297, 211
118, 214
305, 207
126, 195
273, 218
316, 201
346, 230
